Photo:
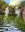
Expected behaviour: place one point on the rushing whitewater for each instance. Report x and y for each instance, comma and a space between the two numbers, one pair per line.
7, 11
17, 11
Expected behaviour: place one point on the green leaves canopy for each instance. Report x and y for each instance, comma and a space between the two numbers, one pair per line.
22, 4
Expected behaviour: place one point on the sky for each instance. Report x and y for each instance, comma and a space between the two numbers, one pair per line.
7, 1
13, 2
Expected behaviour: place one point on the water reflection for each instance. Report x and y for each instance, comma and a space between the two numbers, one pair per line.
12, 30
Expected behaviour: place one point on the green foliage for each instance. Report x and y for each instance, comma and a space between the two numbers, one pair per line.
18, 22
3, 4
22, 4
1, 20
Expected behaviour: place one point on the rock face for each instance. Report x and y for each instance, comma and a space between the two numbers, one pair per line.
24, 13
1, 12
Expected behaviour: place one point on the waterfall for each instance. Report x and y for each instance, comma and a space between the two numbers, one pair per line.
17, 11
7, 11
6, 16
11, 26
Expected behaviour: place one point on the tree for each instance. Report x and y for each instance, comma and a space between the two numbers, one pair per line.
21, 6
22, 23
3, 5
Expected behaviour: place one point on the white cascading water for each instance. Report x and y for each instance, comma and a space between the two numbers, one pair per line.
17, 11
7, 11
